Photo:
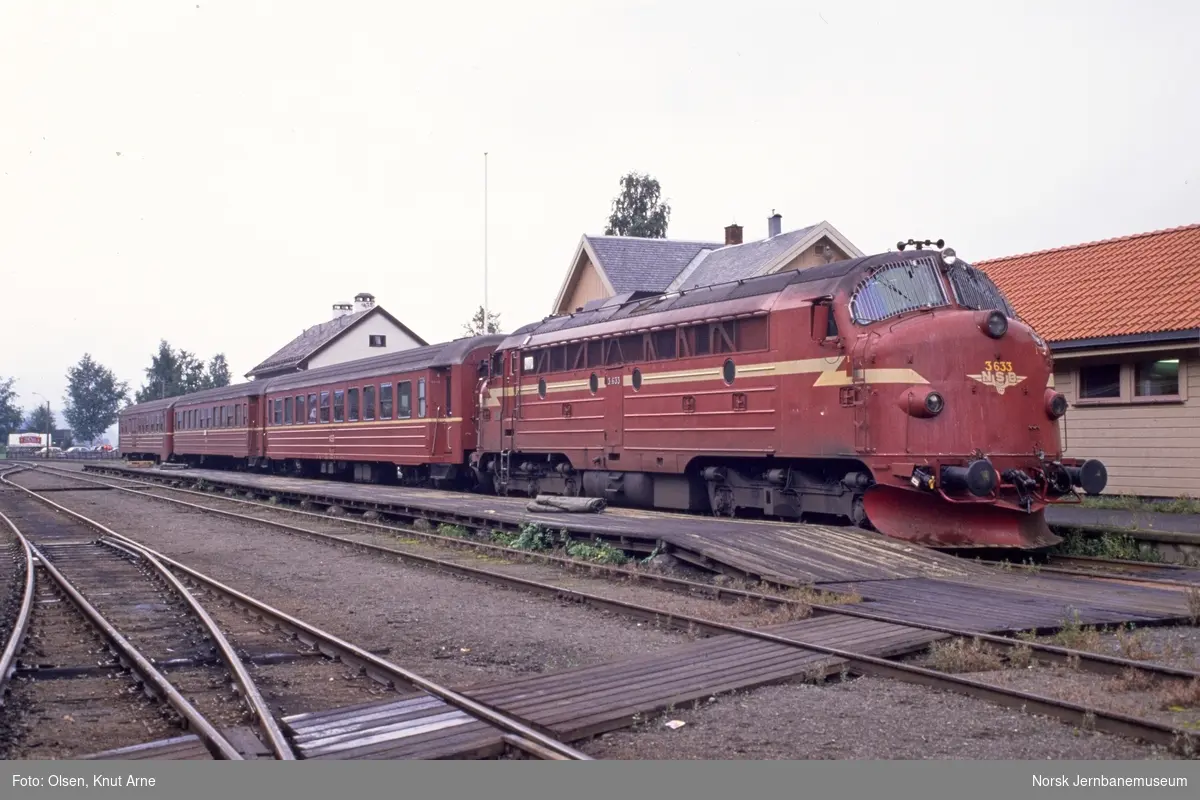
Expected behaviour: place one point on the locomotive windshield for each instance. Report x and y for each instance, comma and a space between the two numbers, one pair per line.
896, 289
974, 289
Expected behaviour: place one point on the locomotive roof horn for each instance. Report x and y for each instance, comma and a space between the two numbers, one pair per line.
918, 244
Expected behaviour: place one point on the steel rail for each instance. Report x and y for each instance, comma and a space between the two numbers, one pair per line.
1094, 662
348, 652
217, 744
276, 739
16, 636
1084, 716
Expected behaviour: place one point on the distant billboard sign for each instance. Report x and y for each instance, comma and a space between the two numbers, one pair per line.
28, 440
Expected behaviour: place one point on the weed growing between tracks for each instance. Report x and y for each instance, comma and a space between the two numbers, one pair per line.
1104, 545
534, 538
1177, 505
963, 655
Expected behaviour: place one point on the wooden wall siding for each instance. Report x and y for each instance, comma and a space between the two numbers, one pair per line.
811, 258
588, 287
1151, 450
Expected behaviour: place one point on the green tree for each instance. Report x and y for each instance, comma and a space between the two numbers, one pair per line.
10, 412
218, 372
35, 421
172, 373
164, 376
475, 326
93, 398
637, 210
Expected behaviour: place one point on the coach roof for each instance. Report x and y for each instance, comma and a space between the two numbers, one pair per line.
418, 358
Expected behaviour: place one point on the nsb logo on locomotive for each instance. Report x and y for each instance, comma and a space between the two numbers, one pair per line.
999, 375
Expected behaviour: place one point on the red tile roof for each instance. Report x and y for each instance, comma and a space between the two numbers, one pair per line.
1145, 283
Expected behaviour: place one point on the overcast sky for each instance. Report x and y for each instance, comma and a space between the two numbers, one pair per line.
220, 173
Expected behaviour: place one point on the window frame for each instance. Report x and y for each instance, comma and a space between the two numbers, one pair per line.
287, 410
1128, 364
352, 401
324, 417
422, 399
368, 403
404, 390
385, 392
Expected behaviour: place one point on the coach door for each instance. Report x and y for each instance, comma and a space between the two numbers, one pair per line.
614, 411
255, 434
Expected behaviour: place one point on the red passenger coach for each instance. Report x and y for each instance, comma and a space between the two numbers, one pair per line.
405, 417
219, 427
144, 431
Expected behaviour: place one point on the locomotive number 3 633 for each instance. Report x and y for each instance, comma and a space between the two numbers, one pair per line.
998, 366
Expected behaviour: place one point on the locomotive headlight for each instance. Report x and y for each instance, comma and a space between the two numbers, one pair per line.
1056, 404
934, 403
949, 256
996, 324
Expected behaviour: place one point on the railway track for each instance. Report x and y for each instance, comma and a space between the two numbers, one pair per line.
78, 592
1179, 739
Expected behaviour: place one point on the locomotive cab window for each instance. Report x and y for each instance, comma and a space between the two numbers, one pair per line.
897, 289
974, 289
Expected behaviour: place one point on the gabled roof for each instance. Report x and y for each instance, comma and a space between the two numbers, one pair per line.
630, 263
758, 258
1144, 283
318, 337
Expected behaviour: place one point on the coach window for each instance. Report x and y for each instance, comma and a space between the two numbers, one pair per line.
279, 411
385, 401
449, 397
352, 405
287, 411
369, 403
339, 406
312, 409
403, 400
421, 397
324, 406
237, 416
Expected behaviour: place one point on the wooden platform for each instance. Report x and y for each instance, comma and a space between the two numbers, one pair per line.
1003, 602
578, 703
179, 748
790, 554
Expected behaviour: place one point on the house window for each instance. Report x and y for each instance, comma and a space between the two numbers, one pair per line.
1156, 378
368, 403
385, 401
324, 406
421, 397
287, 411
339, 406
312, 409
352, 401
1100, 381
378, 340
404, 400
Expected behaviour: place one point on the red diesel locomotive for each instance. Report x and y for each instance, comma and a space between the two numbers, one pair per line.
898, 391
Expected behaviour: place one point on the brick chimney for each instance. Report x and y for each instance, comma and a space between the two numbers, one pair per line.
733, 235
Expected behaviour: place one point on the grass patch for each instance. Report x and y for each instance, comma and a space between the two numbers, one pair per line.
1105, 545
534, 538
964, 655
1181, 697
1073, 635
1173, 505
453, 531
1131, 680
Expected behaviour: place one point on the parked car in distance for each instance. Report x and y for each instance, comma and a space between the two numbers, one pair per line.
79, 449
50, 451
